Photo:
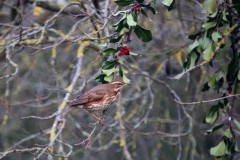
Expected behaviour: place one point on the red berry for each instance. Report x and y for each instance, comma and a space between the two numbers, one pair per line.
124, 51
120, 54
137, 9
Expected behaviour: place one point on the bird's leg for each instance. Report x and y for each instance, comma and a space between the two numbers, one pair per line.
100, 119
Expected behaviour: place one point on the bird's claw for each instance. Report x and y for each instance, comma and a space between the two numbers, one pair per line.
99, 121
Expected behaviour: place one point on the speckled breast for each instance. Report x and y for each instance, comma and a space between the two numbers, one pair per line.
102, 104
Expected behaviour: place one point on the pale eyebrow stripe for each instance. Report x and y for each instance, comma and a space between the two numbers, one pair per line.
116, 83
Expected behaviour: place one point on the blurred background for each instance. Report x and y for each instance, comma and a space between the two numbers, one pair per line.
40, 46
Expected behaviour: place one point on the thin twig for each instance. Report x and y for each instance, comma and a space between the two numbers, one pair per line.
206, 101
88, 139
122, 131
42, 118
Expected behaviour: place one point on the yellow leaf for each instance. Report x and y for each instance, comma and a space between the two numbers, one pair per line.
52, 137
179, 56
37, 11
114, 141
122, 143
63, 104
5, 120
54, 52
82, 46
68, 88
160, 67
117, 116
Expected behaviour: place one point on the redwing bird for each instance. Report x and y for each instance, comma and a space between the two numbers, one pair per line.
99, 98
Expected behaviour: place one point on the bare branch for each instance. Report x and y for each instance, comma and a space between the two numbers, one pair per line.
207, 101
122, 130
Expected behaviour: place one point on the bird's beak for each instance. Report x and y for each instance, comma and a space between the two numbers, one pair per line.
124, 84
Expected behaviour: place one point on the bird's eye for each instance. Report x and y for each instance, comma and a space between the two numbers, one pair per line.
119, 84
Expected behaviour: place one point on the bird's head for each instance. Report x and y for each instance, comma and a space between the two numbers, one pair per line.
117, 85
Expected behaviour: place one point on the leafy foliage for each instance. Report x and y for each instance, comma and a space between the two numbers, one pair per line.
221, 28
124, 27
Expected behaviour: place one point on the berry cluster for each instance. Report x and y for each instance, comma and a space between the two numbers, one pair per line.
124, 51
137, 9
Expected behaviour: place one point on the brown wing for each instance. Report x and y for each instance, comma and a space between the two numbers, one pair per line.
94, 94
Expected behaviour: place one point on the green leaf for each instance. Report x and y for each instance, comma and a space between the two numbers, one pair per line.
236, 148
213, 15
120, 21
125, 79
233, 69
216, 36
204, 42
211, 118
225, 101
130, 21
109, 51
135, 16
215, 128
108, 65
100, 78
120, 61
120, 26
195, 35
115, 39
120, 72
208, 52
227, 133
118, 12
123, 3
153, 10
108, 72
237, 123
221, 104
218, 150
224, 15
211, 6
191, 61
213, 113
167, 2
219, 84
193, 46
236, 5
212, 81
108, 78
144, 12
143, 34
208, 25
238, 75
